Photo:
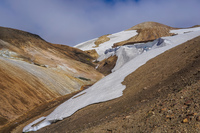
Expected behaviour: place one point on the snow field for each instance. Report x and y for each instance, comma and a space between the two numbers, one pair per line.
110, 87
114, 38
183, 31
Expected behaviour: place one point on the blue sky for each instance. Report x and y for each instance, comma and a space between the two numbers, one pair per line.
71, 22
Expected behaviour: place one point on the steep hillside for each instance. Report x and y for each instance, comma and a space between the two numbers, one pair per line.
155, 97
20, 91
140, 77
130, 58
141, 33
28, 45
164, 93
34, 71
105, 66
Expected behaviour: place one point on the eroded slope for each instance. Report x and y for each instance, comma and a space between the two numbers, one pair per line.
34, 71
159, 77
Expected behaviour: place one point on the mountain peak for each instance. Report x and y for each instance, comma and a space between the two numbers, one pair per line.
147, 31
148, 25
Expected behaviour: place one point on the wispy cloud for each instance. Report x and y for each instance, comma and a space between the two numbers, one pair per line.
73, 21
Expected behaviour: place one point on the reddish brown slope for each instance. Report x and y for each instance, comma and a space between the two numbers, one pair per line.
158, 78
31, 48
18, 94
24, 43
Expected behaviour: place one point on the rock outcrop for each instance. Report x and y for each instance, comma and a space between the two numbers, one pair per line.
101, 39
105, 66
92, 53
147, 31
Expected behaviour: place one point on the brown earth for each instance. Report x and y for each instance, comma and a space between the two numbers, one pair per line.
19, 94
44, 109
33, 49
147, 31
93, 53
28, 45
195, 26
34, 71
160, 96
105, 66
101, 40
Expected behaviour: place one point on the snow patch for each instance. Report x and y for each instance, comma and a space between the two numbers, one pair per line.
114, 38
66, 68
110, 87
39, 124
184, 31
88, 45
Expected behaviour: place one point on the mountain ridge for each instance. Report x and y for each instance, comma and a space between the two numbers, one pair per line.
147, 31
23, 40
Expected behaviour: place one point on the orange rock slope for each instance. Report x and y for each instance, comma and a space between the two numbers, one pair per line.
34, 71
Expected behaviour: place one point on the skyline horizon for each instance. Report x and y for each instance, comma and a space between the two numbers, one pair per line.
72, 22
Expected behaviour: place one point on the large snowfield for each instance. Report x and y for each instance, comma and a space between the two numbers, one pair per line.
114, 38
129, 59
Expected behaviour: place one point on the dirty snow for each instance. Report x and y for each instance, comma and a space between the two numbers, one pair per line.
109, 87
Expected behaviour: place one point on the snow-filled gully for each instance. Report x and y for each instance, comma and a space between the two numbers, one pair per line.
110, 87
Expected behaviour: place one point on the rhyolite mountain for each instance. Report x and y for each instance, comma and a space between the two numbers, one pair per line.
34, 71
